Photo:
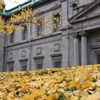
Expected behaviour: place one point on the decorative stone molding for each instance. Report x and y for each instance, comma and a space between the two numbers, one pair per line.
38, 57
75, 34
74, 2
55, 36
55, 6
56, 47
12, 61
39, 51
54, 55
21, 60
56, 58
23, 53
83, 33
62, 0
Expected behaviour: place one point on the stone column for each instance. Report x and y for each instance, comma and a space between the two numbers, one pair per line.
83, 48
76, 49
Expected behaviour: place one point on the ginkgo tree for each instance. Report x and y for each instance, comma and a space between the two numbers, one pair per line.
23, 18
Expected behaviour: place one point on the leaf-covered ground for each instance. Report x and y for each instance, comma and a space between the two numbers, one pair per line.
72, 83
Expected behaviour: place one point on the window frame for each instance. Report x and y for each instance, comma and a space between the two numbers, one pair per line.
12, 37
38, 60
39, 28
25, 34
55, 22
23, 62
10, 64
55, 59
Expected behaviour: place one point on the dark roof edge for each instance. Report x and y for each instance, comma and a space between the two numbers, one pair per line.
18, 8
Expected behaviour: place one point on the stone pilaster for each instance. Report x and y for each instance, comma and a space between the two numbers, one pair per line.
83, 47
76, 49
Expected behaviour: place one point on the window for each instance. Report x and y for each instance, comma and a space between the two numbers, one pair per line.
98, 59
57, 63
23, 65
39, 62
39, 27
24, 33
56, 24
39, 65
10, 66
57, 60
12, 38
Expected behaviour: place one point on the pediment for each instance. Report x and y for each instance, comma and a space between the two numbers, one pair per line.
90, 11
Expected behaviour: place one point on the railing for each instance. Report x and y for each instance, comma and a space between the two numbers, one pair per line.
22, 6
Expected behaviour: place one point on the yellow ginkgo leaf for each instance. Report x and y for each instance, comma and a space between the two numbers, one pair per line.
87, 84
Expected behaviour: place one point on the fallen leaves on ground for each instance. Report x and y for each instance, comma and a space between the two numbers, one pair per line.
72, 83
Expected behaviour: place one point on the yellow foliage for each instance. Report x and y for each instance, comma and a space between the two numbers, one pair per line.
53, 97
95, 96
89, 77
3, 96
3, 90
51, 84
34, 95
87, 84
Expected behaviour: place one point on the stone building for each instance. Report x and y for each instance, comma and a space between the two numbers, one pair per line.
75, 42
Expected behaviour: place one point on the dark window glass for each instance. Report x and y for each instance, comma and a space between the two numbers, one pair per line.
23, 68
25, 33
56, 22
23, 65
57, 64
39, 66
39, 27
12, 38
98, 59
11, 68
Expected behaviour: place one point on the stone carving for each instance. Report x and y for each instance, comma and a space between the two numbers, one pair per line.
56, 47
75, 34
23, 53
72, 2
39, 51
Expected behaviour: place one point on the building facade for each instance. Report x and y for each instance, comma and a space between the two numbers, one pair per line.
75, 42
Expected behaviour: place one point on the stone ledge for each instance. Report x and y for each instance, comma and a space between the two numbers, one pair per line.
38, 57
12, 61
25, 59
35, 39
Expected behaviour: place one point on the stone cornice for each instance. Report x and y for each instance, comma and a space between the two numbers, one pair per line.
95, 45
75, 34
87, 18
63, 0
54, 55
10, 61
82, 33
23, 59
83, 11
38, 57
49, 9
57, 36
36, 38
79, 33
